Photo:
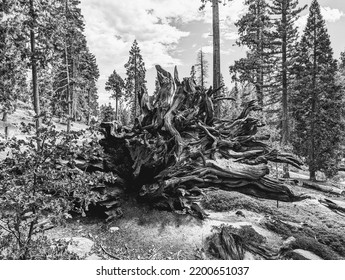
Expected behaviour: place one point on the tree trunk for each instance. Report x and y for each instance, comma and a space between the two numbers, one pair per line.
74, 95
68, 90
68, 94
88, 105
216, 53
285, 118
135, 87
312, 174
312, 160
35, 92
259, 71
116, 107
202, 68
4, 116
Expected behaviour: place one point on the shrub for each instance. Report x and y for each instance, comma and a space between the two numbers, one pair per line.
43, 183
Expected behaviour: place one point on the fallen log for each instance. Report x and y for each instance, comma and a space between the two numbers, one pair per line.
323, 188
336, 206
177, 147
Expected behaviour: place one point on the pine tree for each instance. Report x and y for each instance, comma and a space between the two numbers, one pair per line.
135, 71
193, 73
317, 103
216, 46
89, 74
12, 68
342, 61
201, 70
254, 32
115, 84
284, 14
107, 113
76, 71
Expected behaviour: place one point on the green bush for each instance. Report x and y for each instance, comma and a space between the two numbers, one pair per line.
43, 183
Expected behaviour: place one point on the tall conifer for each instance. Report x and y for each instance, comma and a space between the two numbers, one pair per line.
135, 81
284, 14
317, 102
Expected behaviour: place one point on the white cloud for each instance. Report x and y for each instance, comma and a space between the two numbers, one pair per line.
112, 25
331, 15
328, 14
228, 15
207, 49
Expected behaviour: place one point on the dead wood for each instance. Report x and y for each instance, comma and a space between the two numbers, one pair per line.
177, 147
323, 188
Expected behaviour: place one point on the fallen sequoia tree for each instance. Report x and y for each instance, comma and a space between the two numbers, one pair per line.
178, 147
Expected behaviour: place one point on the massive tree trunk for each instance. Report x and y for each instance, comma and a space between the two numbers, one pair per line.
177, 148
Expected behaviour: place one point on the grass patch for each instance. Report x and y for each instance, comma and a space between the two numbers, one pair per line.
222, 201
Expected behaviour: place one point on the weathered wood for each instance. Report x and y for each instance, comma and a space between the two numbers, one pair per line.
177, 146
323, 188
336, 206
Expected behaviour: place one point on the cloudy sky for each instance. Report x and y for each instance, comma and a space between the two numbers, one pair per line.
170, 32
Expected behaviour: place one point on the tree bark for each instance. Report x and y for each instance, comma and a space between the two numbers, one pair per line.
202, 68
73, 91
4, 116
88, 105
216, 52
177, 148
36, 97
285, 117
312, 163
116, 107
260, 76
135, 86
68, 90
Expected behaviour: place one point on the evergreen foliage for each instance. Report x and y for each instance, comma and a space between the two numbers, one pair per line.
135, 81
201, 70
284, 14
254, 30
115, 84
317, 103
12, 69
64, 72
107, 113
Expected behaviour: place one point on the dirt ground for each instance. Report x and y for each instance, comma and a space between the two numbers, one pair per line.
144, 233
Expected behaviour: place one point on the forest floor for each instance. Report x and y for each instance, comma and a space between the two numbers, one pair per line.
25, 114
144, 233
